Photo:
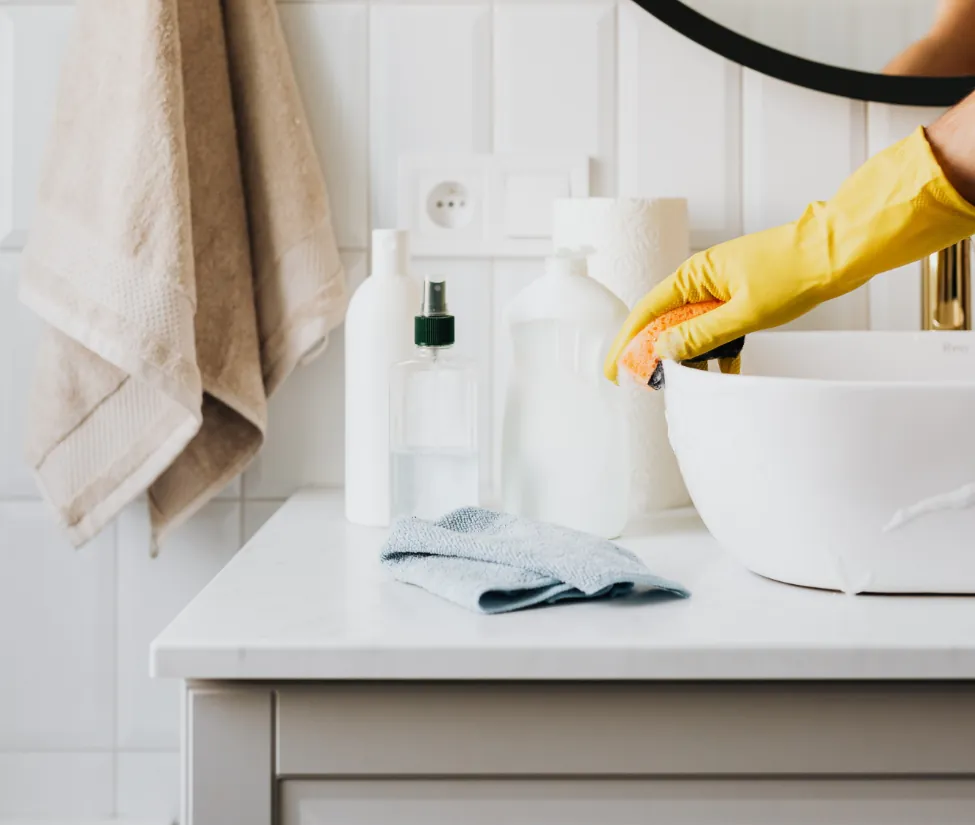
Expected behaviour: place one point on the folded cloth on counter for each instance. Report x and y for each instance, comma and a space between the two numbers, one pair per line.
181, 254
495, 563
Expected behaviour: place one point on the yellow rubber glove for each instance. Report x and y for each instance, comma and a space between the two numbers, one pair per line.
896, 209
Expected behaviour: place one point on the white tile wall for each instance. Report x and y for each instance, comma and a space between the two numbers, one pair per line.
147, 786
84, 731
799, 146
429, 88
19, 335
149, 594
679, 125
554, 82
36, 785
57, 630
34, 36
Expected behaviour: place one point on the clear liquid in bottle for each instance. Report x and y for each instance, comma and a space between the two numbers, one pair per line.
434, 465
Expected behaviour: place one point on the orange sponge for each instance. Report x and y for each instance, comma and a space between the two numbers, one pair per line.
639, 358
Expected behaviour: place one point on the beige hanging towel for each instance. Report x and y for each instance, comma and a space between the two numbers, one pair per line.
181, 255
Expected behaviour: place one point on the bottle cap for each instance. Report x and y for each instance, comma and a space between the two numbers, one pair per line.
390, 252
434, 326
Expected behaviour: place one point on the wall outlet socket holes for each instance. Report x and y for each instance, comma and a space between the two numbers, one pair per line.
450, 205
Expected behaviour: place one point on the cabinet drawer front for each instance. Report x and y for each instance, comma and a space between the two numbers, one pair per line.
622, 802
625, 729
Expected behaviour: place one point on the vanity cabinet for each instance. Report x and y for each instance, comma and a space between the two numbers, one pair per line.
565, 753
317, 691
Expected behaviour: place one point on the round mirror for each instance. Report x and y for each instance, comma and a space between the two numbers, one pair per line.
917, 52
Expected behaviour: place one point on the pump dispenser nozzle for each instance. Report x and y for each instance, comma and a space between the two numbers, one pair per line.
434, 327
434, 298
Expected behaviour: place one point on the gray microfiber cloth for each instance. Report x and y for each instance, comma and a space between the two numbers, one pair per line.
494, 563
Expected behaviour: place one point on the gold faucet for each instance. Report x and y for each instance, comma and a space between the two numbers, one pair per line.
946, 288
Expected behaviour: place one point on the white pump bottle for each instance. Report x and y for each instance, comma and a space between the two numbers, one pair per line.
565, 440
378, 334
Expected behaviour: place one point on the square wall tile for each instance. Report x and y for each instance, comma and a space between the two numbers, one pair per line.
305, 443
151, 592
33, 37
799, 147
555, 82
330, 52
147, 786
430, 79
57, 634
20, 332
64, 785
679, 125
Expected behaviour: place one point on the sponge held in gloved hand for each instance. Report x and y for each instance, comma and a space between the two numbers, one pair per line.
640, 360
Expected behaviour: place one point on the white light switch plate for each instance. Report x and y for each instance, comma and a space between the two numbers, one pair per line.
459, 206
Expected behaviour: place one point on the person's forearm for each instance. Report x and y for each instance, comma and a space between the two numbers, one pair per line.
947, 50
952, 137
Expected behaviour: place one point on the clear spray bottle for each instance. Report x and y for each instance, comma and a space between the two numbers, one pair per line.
433, 419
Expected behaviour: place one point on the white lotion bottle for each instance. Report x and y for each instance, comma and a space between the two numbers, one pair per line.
378, 334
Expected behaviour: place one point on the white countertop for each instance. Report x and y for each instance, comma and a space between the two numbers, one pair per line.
306, 599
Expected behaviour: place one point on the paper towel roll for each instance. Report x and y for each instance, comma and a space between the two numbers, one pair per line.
637, 243
634, 244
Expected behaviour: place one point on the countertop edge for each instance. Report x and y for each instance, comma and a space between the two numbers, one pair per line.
577, 665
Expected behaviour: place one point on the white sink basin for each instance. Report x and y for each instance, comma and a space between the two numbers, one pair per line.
798, 465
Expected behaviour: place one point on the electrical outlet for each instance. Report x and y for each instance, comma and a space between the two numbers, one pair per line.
441, 200
450, 205
485, 205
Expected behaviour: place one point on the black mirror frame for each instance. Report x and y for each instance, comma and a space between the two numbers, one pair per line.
849, 83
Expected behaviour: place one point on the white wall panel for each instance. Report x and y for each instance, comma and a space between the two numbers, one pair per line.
329, 50
64, 785
679, 124
429, 88
32, 39
147, 787
150, 593
895, 297
799, 146
555, 82
57, 634
19, 335
305, 444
